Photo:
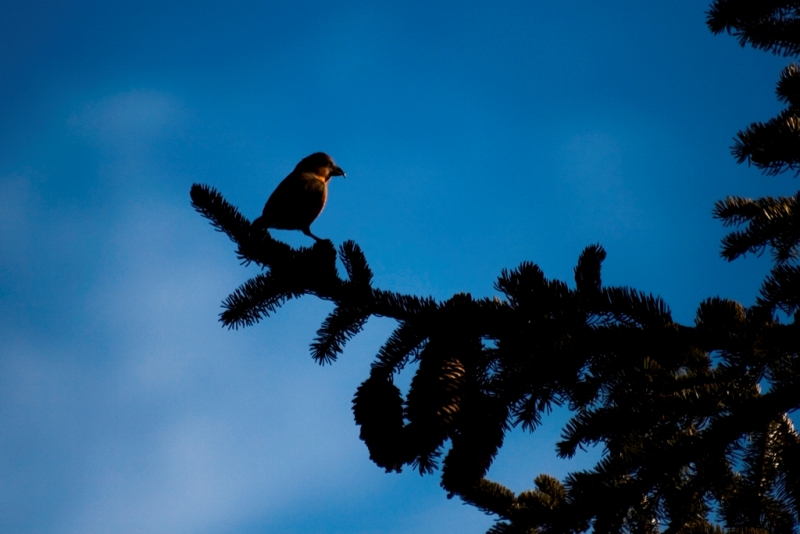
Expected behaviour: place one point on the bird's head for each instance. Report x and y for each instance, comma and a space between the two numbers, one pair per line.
320, 164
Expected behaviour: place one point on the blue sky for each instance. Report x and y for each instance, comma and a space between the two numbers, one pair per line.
475, 135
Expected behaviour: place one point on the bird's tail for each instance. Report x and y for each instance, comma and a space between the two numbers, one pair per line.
259, 224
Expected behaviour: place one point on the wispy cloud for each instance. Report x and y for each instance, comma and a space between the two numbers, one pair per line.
134, 116
162, 420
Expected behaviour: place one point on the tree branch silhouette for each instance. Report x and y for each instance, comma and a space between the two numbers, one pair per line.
692, 419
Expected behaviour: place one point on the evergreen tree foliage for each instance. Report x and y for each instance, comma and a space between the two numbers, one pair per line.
692, 419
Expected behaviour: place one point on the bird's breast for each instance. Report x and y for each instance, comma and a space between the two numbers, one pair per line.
316, 193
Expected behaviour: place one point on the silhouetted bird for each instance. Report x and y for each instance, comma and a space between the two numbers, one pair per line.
300, 197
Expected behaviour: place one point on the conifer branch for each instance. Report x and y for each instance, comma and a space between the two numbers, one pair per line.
674, 422
257, 298
641, 386
771, 222
338, 328
788, 89
769, 25
772, 146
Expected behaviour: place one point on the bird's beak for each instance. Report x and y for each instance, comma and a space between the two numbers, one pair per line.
337, 171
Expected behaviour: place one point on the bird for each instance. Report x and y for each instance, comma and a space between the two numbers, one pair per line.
299, 198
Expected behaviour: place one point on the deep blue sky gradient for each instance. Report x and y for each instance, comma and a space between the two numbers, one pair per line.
475, 135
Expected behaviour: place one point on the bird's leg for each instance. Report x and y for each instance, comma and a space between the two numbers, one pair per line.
307, 231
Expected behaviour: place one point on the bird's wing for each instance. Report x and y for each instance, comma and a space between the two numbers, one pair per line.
295, 203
